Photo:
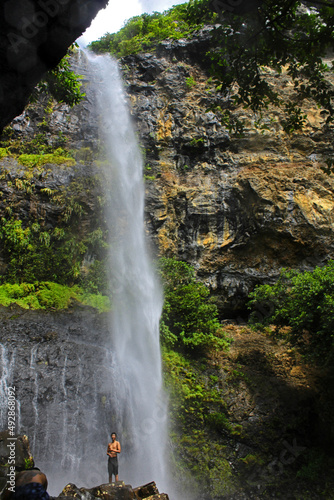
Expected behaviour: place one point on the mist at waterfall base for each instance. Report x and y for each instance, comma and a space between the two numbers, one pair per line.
90, 379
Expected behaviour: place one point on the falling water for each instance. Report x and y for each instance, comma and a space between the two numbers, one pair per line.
6, 380
140, 415
117, 384
34, 376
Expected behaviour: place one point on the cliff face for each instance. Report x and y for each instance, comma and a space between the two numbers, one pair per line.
62, 368
238, 207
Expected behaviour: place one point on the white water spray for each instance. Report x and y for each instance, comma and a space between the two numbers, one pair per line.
6, 365
141, 413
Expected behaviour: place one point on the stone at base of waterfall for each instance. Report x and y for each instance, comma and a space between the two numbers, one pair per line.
149, 491
113, 491
146, 490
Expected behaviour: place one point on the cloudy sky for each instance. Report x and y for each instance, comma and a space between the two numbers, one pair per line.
112, 18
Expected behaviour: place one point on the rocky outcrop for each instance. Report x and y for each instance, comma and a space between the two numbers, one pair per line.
62, 368
15, 455
114, 491
238, 207
34, 36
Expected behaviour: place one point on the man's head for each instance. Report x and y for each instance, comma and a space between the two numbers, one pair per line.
113, 436
31, 476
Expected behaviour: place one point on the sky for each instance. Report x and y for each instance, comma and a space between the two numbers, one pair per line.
112, 18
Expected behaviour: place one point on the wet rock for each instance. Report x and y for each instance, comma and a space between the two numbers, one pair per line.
146, 490
15, 453
58, 363
72, 491
114, 491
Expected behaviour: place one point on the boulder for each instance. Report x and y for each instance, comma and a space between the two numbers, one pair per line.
13, 448
114, 491
72, 491
146, 490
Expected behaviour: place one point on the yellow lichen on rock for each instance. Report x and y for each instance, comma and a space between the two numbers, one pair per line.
316, 210
164, 129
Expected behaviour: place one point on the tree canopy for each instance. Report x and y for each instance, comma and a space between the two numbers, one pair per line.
189, 320
249, 36
289, 34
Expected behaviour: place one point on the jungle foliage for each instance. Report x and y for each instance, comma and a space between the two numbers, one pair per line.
289, 34
199, 419
303, 301
49, 295
189, 320
61, 82
247, 38
142, 33
34, 253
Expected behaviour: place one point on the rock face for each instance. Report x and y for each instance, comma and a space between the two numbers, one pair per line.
34, 36
61, 366
237, 208
114, 491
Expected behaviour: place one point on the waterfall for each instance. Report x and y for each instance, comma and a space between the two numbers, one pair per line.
6, 380
34, 377
82, 377
140, 405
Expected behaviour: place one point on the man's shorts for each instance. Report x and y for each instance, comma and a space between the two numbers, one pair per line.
112, 466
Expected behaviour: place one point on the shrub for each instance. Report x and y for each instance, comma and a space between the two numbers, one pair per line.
189, 319
38, 160
49, 295
305, 302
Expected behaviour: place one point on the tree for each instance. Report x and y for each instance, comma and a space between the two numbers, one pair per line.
251, 35
189, 319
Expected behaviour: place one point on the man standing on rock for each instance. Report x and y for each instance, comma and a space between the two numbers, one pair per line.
113, 449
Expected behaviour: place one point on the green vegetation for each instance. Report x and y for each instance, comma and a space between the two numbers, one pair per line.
190, 82
190, 330
189, 319
28, 463
58, 157
304, 301
280, 35
195, 406
284, 36
38, 144
48, 295
142, 33
61, 82
38, 160
33, 253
